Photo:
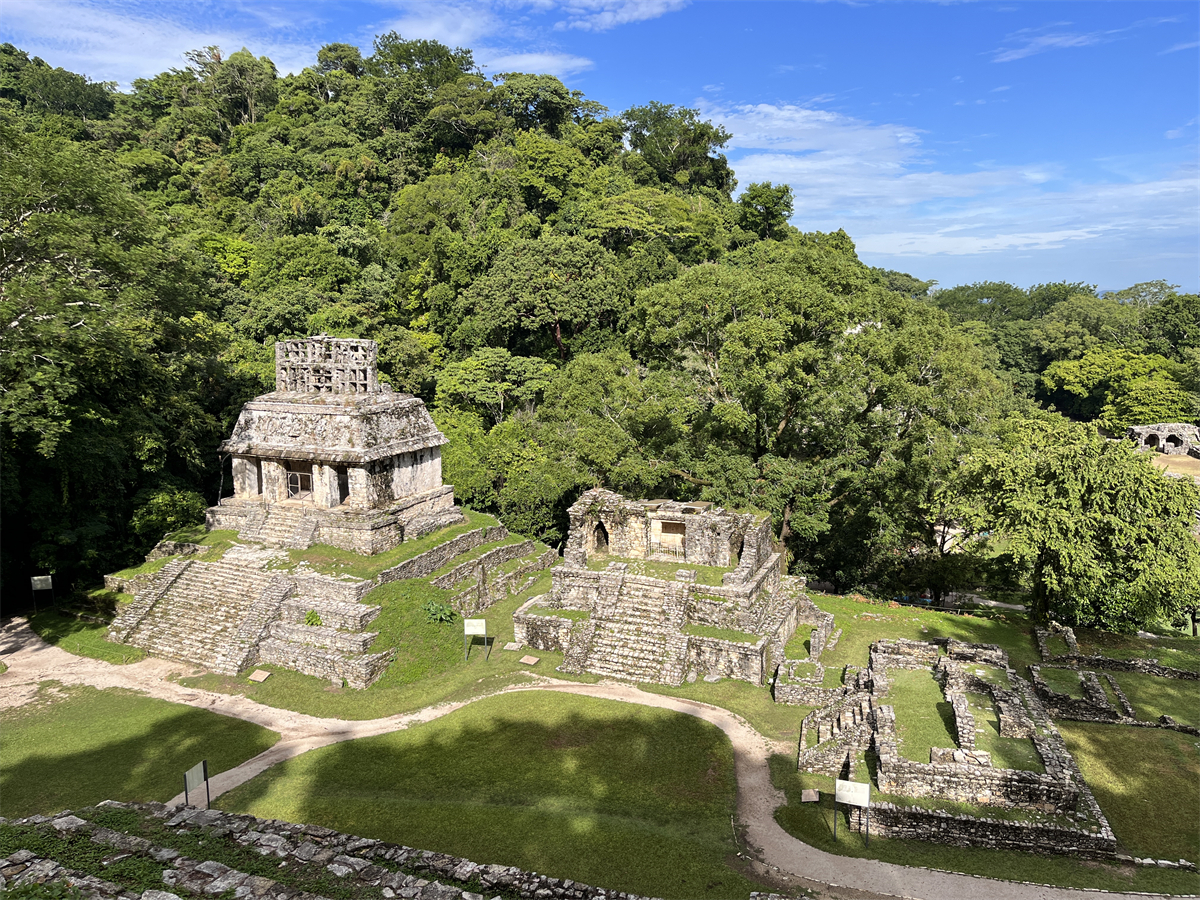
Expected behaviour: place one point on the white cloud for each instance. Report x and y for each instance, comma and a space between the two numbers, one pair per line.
127, 41
1032, 44
603, 15
558, 64
1187, 45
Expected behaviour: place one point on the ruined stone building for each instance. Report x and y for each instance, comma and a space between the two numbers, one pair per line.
334, 456
330, 456
610, 620
1174, 439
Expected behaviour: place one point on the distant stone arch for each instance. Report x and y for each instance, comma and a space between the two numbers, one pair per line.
599, 539
1174, 440
1151, 441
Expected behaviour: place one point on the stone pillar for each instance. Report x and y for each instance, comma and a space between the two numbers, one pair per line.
402, 475
433, 469
274, 477
325, 486
245, 478
360, 487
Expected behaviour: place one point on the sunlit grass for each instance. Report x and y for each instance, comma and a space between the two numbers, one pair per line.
924, 718
1152, 696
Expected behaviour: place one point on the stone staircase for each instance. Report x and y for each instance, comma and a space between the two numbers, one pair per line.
198, 614
287, 527
637, 633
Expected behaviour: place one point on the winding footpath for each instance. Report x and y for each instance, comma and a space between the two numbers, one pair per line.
777, 854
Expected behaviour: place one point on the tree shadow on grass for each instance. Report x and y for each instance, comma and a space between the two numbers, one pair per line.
109, 745
601, 793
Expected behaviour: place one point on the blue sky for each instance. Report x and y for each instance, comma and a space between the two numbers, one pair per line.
1019, 141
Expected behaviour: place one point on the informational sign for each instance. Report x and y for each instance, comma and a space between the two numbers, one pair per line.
42, 582
471, 629
192, 779
852, 793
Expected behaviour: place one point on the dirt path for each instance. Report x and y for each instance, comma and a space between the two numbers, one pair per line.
781, 856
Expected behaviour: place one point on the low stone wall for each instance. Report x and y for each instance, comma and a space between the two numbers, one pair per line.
840, 731
495, 557
913, 823
728, 659
965, 783
324, 636
964, 722
425, 564
326, 587
1064, 706
334, 613
1074, 660
983, 654
358, 672
904, 654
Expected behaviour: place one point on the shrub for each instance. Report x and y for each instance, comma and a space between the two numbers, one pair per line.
439, 612
312, 617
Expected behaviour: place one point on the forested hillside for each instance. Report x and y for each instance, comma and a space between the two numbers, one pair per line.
580, 299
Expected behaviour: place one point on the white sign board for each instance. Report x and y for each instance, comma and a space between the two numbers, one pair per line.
853, 793
42, 582
195, 776
475, 626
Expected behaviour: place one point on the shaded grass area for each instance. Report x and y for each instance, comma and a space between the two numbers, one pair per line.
752, 702
333, 561
653, 568
1007, 752
601, 792
82, 637
429, 666
1180, 652
1147, 781
813, 824
1065, 681
1152, 696
77, 746
864, 622
799, 645
924, 718
724, 634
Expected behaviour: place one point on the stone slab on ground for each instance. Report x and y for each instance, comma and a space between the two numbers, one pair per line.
512, 645
530, 660
260, 675
810, 795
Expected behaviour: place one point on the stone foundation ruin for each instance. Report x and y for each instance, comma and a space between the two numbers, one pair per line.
1059, 812
1174, 439
331, 456
612, 621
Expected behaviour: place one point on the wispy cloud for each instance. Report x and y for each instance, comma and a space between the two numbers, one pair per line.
1031, 44
1187, 45
603, 15
559, 64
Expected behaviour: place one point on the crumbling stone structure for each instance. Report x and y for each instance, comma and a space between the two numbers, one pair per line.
858, 718
334, 456
636, 625
1175, 439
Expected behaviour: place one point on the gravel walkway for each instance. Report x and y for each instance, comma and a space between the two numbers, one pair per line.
782, 857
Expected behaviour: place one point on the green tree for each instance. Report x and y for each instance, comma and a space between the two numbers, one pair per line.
764, 209
1106, 538
679, 148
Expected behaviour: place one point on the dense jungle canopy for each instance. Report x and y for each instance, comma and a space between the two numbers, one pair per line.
583, 298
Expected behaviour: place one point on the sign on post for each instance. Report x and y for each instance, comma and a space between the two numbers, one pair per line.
852, 793
41, 583
193, 778
471, 628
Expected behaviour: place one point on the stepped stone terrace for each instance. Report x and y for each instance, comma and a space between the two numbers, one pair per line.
334, 456
660, 591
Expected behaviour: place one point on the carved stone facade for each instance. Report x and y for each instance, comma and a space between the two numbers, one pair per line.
1175, 439
334, 456
637, 626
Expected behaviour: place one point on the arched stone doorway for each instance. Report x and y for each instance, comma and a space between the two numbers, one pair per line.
600, 539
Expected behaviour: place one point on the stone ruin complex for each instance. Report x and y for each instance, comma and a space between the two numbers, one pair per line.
330, 456
611, 621
1172, 439
1056, 809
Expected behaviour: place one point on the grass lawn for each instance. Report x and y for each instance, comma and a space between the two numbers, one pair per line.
1147, 781
924, 717
601, 792
1065, 681
1007, 752
1152, 696
334, 561
76, 746
724, 634
429, 666
752, 702
813, 824
1008, 629
1180, 652
82, 637
653, 568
